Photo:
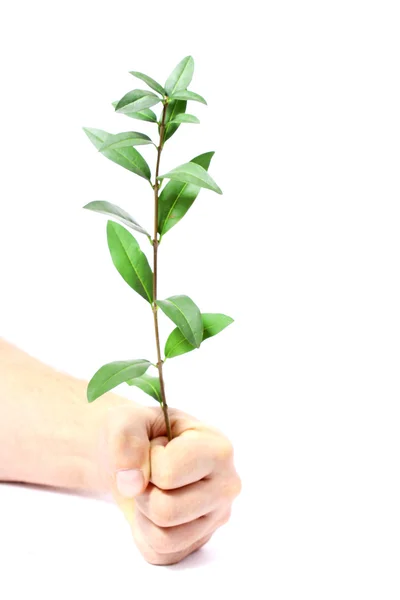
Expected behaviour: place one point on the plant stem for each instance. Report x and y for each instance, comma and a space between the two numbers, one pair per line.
164, 404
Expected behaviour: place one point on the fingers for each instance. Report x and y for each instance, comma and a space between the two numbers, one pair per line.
195, 454
183, 489
173, 522
177, 540
154, 558
179, 506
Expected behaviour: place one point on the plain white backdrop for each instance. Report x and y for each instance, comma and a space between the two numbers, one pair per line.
302, 249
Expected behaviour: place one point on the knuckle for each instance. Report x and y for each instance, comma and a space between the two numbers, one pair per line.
225, 450
231, 487
236, 486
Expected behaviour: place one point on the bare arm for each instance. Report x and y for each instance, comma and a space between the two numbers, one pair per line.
46, 436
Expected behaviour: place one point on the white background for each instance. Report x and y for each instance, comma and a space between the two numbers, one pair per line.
302, 250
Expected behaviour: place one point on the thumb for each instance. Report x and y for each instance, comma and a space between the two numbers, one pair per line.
129, 450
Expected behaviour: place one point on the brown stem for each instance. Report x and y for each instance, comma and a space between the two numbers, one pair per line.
164, 404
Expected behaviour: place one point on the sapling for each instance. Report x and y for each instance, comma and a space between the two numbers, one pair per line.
174, 193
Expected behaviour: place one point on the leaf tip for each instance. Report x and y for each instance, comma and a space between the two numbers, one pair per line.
110, 226
117, 104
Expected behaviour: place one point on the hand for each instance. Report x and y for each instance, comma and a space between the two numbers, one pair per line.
183, 489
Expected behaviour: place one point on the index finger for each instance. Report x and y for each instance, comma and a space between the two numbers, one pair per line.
188, 458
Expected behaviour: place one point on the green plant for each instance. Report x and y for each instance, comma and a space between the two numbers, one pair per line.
171, 202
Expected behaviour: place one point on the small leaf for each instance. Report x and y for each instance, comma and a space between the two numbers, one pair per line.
112, 210
150, 82
186, 95
185, 118
181, 76
177, 197
129, 158
113, 374
129, 260
213, 323
143, 115
174, 108
125, 140
136, 100
186, 315
149, 385
192, 173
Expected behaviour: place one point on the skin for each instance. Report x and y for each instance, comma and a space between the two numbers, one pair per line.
174, 495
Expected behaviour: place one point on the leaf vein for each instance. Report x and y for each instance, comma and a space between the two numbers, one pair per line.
136, 271
173, 206
118, 373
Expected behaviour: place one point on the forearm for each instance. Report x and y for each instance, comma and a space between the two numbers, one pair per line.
47, 431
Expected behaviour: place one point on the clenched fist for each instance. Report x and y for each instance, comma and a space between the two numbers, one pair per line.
174, 494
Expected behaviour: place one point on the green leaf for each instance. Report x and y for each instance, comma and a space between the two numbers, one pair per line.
113, 374
192, 173
125, 140
181, 76
174, 108
150, 385
185, 118
129, 260
177, 197
136, 100
213, 323
186, 95
143, 115
150, 82
129, 158
112, 210
186, 315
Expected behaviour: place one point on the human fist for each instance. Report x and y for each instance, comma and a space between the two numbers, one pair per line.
183, 489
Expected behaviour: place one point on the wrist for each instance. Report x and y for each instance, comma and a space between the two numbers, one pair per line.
61, 450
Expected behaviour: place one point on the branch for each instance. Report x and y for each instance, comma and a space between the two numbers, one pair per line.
164, 405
